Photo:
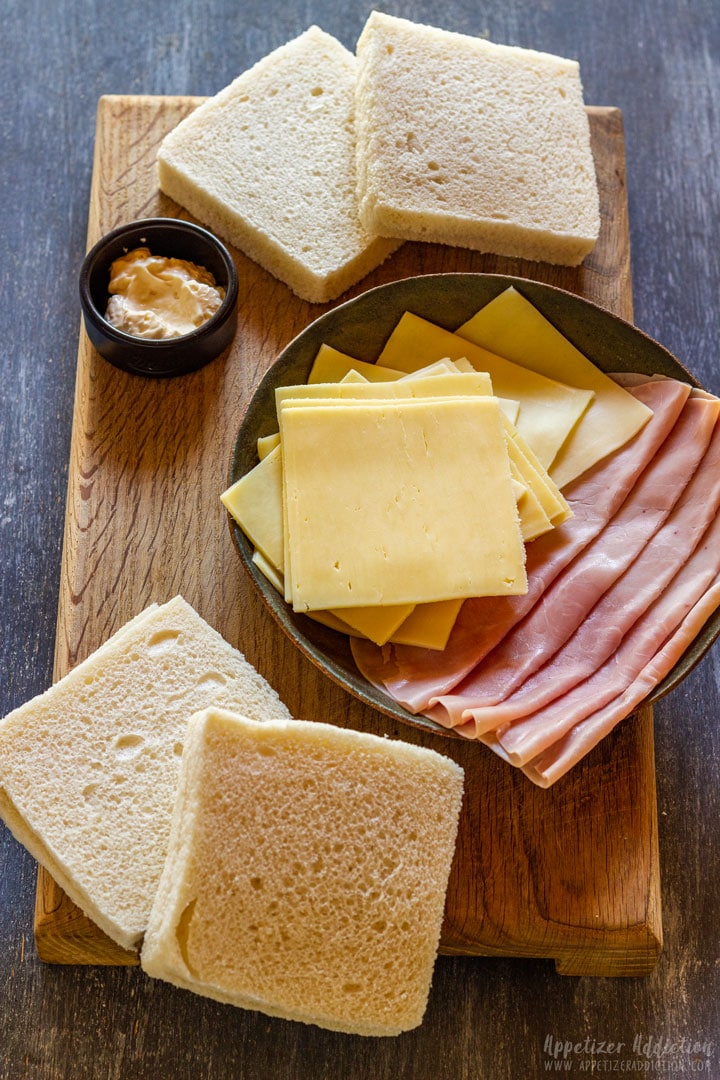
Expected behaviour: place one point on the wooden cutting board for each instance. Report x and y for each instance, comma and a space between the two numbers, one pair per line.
569, 874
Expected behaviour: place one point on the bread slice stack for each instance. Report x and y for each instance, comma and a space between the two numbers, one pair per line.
461, 141
89, 769
269, 164
318, 164
286, 866
306, 872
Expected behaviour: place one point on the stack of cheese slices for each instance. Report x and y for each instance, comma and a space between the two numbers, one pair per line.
406, 457
318, 163
286, 866
614, 587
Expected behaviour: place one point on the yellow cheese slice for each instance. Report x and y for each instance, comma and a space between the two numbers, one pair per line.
327, 618
419, 495
255, 504
268, 570
542, 509
378, 623
510, 408
463, 364
255, 501
262, 503
541, 506
429, 625
549, 409
425, 626
536, 478
432, 632
439, 367
266, 443
511, 325
331, 365
517, 484
437, 385
533, 519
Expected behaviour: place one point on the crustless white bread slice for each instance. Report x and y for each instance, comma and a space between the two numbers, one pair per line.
464, 142
268, 164
306, 873
88, 770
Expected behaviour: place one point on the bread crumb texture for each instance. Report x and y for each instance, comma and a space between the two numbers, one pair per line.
269, 164
89, 769
307, 872
465, 142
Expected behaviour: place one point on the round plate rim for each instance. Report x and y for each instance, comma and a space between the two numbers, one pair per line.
322, 646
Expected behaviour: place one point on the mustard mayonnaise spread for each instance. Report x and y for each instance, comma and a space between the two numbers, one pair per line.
155, 297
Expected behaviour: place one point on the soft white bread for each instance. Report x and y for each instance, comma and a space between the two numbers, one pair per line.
268, 164
464, 142
88, 770
306, 872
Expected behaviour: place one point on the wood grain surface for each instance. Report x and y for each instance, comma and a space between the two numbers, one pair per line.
570, 874
488, 1018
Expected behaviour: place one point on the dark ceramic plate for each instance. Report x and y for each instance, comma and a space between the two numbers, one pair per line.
360, 327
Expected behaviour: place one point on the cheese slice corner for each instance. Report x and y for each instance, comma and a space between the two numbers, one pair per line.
511, 325
332, 365
549, 409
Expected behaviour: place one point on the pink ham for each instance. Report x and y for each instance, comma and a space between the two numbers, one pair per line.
565, 605
414, 676
599, 634
527, 738
546, 769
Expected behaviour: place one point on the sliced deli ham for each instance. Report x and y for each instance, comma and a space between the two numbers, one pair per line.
415, 676
584, 736
570, 595
616, 595
527, 738
581, 620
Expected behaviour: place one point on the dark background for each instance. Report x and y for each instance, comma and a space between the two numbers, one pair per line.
658, 61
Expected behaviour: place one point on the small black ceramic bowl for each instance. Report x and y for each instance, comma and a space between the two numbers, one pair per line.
164, 357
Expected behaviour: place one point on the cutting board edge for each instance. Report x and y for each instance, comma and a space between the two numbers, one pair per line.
107, 952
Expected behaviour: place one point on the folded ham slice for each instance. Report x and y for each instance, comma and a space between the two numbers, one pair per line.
548, 767
415, 676
580, 622
573, 593
527, 738
616, 595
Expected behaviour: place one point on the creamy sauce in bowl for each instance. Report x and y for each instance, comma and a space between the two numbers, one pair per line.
154, 297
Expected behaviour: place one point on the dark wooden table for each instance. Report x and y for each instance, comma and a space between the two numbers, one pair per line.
656, 60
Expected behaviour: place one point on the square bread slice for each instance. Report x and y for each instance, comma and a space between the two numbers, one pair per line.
464, 142
269, 164
306, 873
88, 769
